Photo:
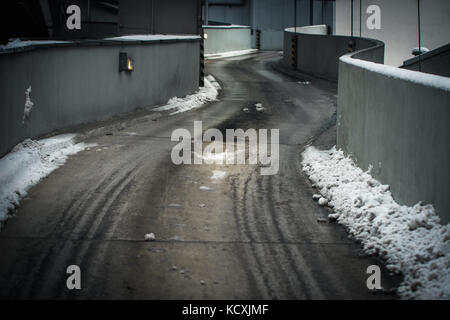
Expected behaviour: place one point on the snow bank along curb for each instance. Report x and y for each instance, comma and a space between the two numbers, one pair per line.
410, 239
204, 95
28, 163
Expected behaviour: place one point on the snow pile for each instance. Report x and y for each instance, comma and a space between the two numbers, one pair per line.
228, 54
204, 95
28, 105
28, 163
150, 237
259, 107
409, 239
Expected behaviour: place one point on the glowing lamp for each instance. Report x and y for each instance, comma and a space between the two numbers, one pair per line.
125, 62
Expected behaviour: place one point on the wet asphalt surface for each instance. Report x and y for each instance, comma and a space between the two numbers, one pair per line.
247, 236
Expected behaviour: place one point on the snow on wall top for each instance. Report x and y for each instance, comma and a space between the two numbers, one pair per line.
231, 26
154, 37
17, 44
316, 29
429, 80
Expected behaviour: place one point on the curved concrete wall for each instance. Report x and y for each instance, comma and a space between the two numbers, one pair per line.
318, 53
397, 121
436, 61
226, 38
74, 83
399, 24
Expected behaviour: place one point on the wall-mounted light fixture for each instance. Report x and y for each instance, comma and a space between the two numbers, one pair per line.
205, 36
125, 62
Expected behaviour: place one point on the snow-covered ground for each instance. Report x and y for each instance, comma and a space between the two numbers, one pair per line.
204, 95
229, 54
218, 175
28, 163
410, 239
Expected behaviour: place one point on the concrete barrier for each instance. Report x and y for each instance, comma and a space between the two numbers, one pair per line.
397, 121
227, 38
392, 119
271, 39
318, 53
80, 82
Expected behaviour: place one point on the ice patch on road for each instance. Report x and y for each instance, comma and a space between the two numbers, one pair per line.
218, 175
204, 95
28, 163
210, 155
410, 239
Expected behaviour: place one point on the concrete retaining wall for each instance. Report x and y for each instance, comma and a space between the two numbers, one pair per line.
226, 38
397, 121
80, 82
393, 119
271, 17
271, 40
318, 53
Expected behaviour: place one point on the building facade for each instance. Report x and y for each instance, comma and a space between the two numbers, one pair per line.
397, 25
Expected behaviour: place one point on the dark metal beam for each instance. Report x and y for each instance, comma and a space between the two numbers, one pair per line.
295, 16
351, 17
420, 40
